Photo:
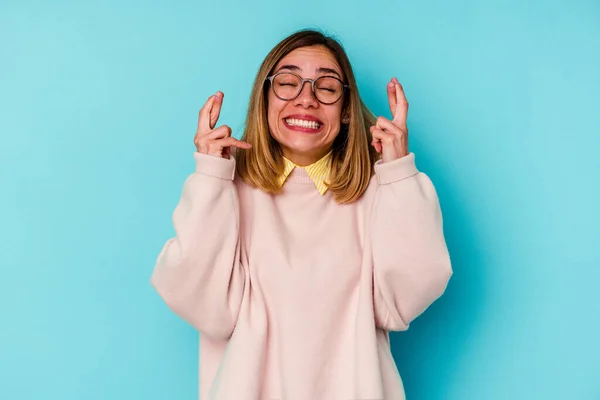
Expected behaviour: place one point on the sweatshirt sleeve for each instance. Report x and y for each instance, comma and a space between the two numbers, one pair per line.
198, 272
411, 264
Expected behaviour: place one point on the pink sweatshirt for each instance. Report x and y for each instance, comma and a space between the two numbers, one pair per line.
294, 294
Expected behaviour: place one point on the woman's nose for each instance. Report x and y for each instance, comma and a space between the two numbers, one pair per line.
306, 97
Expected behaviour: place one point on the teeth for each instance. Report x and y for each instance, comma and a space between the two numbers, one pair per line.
302, 123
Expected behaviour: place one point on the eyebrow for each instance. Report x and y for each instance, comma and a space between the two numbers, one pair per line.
319, 70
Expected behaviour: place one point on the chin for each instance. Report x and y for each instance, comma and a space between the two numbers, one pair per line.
303, 145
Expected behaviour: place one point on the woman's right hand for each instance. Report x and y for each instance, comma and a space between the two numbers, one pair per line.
216, 142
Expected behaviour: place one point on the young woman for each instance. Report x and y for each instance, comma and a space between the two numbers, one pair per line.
296, 253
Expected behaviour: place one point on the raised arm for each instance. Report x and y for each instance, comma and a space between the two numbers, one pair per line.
198, 272
411, 261
410, 258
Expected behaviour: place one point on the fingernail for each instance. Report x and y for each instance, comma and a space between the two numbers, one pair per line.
391, 85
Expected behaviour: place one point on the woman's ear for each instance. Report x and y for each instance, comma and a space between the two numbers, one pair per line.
345, 118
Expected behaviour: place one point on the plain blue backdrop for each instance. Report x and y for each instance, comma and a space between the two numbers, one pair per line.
98, 108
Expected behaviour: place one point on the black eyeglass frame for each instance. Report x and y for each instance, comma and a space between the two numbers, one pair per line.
312, 85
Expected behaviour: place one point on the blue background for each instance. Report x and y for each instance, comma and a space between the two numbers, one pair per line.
98, 108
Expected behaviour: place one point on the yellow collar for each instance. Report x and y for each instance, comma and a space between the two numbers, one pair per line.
318, 172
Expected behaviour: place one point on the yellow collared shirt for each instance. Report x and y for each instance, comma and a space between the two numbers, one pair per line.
318, 172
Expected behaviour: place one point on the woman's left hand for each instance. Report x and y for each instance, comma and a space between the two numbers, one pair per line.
390, 138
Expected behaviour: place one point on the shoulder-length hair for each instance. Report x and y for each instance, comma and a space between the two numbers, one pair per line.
353, 157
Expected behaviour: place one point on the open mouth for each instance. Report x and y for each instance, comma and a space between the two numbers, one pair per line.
303, 124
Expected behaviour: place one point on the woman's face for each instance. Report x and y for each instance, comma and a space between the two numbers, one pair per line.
302, 142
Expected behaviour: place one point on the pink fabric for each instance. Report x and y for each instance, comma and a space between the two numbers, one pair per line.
294, 294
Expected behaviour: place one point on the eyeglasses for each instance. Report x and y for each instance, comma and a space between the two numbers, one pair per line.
326, 89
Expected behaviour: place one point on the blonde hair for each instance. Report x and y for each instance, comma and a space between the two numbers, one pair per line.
353, 157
